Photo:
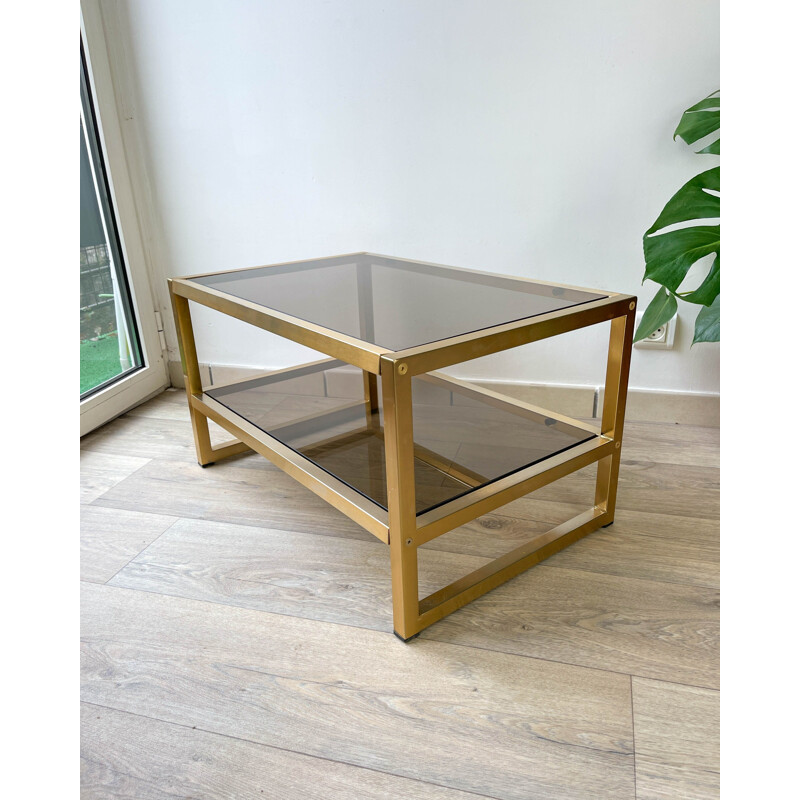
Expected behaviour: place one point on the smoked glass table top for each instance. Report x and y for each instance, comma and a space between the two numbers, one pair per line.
461, 442
392, 303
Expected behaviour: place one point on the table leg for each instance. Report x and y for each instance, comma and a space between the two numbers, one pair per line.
366, 318
371, 399
206, 452
399, 440
191, 376
613, 417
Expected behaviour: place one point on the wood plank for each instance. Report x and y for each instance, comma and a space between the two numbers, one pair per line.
299, 574
657, 547
496, 534
659, 488
101, 471
227, 492
149, 437
691, 445
248, 490
639, 627
661, 547
110, 538
478, 721
348, 582
677, 741
686, 494
673, 546
170, 404
127, 756
257, 493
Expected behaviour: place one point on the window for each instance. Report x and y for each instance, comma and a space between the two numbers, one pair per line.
110, 345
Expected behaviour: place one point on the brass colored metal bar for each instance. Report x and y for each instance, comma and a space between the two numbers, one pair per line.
614, 399
202, 437
487, 498
366, 321
399, 441
186, 343
371, 402
361, 510
377, 462
331, 261
606, 482
433, 356
619, 360
332, 343
460, 592
366, 303
510, 404
191, 375
287, 373
479, 276
231, 448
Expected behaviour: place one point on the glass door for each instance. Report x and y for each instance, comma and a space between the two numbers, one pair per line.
121, 343
110, 347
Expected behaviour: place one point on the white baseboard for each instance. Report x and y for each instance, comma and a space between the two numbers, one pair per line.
686, 408
644, 405
574, 401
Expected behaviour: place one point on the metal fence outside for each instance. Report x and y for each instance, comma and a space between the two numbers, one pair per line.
97, 293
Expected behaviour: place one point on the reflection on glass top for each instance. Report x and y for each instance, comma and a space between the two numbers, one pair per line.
461, 441
392, 303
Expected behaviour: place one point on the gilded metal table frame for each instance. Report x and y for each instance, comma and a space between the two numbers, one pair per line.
401, 528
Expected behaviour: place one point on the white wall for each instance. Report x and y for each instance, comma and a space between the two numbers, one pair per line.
528, 138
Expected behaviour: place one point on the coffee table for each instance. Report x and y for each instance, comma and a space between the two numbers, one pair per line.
375, 429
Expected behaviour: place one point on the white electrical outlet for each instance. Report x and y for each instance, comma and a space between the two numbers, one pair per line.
662, 338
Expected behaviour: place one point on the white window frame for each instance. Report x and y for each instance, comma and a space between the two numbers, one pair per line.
153, 377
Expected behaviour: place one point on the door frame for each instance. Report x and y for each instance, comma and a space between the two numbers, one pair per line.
153, 376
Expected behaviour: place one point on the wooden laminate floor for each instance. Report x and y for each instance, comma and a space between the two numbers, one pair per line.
237, 635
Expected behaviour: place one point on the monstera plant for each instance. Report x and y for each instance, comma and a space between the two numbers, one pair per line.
671, 246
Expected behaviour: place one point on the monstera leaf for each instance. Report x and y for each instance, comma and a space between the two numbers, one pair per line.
699, 121
672, 247
706, 329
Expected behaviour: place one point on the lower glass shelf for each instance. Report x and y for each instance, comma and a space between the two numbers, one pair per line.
464, 436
